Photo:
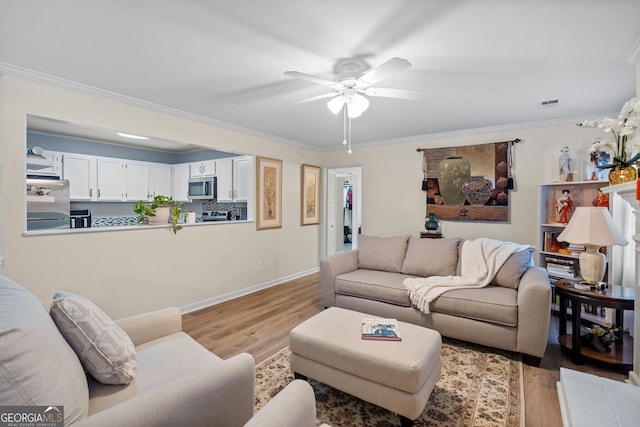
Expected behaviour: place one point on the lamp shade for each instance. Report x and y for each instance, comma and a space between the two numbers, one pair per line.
592, 226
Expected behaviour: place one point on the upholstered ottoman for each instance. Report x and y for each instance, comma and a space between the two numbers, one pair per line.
395, 375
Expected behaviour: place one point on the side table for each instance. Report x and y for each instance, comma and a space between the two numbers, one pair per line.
614, 296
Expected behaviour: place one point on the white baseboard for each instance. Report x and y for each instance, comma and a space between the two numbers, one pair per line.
199, 305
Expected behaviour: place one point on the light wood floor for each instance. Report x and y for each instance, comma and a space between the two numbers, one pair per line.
259, 324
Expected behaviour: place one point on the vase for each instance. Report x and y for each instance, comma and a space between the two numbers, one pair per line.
431, 222
620, 174
477, 190
453, 172
162, 216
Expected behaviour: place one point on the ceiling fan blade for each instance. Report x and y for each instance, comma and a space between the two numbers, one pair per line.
395, 93
309, 77
394, 65
313, 98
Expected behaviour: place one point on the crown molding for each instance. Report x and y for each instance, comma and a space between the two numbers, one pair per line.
61, 83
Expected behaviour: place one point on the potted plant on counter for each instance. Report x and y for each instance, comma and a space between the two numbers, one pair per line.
161, 210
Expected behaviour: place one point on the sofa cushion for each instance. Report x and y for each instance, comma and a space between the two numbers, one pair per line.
37, 366
494, 304
104, 349
513, 268
375, 285
382, 253
431, 257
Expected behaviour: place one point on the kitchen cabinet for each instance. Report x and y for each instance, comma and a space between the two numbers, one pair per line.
160, 180
233, 179
111, 179
81, 172
137, 181
205, 168
180, 187
241, 178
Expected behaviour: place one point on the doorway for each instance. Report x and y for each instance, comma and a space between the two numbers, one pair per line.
343, 209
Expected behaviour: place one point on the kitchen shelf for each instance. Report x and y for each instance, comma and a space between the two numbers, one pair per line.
37, 162
41, 199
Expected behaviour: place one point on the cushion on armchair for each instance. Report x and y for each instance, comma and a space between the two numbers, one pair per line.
37, 366
104, 349
382, 253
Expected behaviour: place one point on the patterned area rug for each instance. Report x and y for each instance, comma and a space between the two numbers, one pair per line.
478, 386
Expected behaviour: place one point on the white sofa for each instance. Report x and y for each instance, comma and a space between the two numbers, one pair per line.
511, 313
177, 381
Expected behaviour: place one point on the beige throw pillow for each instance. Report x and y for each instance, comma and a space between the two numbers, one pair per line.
382, 253
513, 268
431, 257
104, 349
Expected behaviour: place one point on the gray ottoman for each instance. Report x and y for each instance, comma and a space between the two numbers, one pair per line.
395, 375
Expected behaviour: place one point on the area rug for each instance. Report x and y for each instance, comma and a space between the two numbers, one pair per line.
478, 386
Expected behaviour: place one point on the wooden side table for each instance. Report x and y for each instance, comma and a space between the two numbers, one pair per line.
616, 297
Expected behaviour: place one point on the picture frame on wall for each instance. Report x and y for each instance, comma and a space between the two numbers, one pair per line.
268, 193
310, 195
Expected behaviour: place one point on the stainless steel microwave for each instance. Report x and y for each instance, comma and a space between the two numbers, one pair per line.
205, 187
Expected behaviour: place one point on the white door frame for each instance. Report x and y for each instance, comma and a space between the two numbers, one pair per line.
328, 231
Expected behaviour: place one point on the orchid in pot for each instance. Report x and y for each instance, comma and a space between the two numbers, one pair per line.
624, 146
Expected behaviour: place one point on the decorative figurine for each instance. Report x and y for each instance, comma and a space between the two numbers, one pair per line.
564, 206
601, 200
565, 164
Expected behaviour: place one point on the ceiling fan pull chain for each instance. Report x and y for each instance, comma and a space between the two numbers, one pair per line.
349, 150
344, 133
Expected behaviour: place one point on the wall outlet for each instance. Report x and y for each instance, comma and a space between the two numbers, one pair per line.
259, 266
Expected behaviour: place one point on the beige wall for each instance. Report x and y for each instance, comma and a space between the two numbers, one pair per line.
395, 204
129, 272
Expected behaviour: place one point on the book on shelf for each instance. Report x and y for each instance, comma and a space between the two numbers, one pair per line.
380, 329
560, 261
565, 274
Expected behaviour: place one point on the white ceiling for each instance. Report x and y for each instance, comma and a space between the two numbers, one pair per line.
483, 63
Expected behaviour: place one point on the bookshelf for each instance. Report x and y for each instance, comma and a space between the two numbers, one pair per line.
559, 258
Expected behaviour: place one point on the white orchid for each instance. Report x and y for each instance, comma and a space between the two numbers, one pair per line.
623, 128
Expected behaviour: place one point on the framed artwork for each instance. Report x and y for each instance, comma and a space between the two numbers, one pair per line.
268, 193
310, 195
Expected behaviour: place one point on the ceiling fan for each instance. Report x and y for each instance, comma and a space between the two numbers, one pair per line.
352, 86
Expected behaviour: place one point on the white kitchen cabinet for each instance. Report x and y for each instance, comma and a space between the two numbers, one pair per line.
225, 179
137, 180
160, 179
241, 178
81, 172
205, 168
180, 188
111, 179
233, 179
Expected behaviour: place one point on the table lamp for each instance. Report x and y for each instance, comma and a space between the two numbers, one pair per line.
592, 227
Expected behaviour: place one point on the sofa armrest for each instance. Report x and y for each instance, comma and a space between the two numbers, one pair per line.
222, 396
332, 266
294, 406
147, 327
534, 312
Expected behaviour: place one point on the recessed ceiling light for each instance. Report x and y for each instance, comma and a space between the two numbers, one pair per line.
128, 135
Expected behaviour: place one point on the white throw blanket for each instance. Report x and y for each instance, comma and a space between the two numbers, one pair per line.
480, 261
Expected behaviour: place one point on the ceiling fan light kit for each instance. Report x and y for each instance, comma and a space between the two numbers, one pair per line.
351, 85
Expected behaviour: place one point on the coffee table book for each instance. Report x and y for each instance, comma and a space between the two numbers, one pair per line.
380, 329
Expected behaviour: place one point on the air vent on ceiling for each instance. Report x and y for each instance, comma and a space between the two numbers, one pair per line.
548, 103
